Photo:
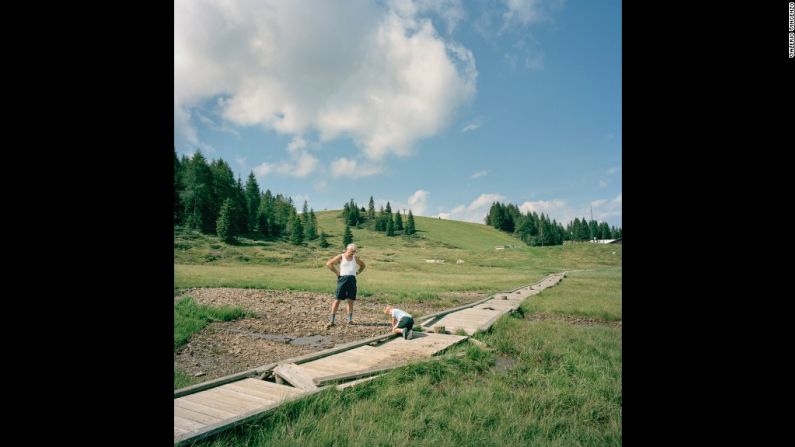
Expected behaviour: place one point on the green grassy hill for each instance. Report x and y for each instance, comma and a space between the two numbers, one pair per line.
395, 265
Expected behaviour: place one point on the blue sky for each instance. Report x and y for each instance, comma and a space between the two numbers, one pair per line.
438, 106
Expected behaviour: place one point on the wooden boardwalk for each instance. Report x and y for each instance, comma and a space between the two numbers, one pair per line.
392, 354
200, 412
481, 317
213, 410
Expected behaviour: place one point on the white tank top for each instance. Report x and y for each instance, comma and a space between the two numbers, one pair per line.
348, 267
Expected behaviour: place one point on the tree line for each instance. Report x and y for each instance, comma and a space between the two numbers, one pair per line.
391, 224
535, 229
207, 198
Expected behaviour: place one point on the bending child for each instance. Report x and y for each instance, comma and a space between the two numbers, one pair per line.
402, 322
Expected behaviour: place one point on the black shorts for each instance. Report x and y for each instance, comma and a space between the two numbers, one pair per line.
346, 287
406, 322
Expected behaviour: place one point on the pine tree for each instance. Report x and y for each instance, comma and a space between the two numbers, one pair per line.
324, 240
526, 230
371, 209
241, 209
584, 231
605, 230
390, 226
223, 186
347, 237
353, 213
305, 214
545, 231
197, 194
225, 226
252, 202
380, 223
410, 224
398, 222
310, 229
297, 231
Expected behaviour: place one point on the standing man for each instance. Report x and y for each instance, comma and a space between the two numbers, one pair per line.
346, 279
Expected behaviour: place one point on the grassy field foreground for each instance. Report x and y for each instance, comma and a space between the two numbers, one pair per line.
544, 383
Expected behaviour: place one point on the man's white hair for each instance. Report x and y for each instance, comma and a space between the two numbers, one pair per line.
351, 245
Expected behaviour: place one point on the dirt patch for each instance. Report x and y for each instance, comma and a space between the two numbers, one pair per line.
287, 324
580, 321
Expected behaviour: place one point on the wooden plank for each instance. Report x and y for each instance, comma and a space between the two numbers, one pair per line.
202, 408
342, 386
222, 380
486, 325
337, 362
244, 395
272, 386
187, 424
231, 403
215, 400
320, 381
427, 319
504, 308
201, 418
325, 353
232, 422
268, 388
296, 376
262, 394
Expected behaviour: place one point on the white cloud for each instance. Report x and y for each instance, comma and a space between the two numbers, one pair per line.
321, 185
296, 144
475, 211
187, 135
479, 174
469, 127
613, 170
215, 126
451, 11
305, 165
351, 168
301, 165
522, 12
385, 79
604, 210
418, 202
555, 209
263, 169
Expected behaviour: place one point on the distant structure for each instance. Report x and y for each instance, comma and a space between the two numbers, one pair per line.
606, 241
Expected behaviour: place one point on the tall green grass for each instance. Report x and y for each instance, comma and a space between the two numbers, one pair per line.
190, 318
591, 293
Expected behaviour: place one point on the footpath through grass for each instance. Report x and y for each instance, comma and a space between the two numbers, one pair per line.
544, 383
